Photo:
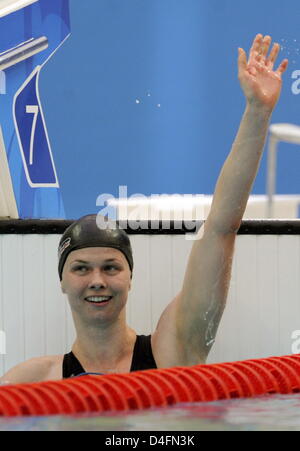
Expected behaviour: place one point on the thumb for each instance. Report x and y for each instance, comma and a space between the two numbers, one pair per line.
242, 60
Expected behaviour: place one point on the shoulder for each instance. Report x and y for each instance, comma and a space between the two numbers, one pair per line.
35, 370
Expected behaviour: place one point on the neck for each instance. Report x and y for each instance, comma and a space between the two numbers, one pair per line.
103, 346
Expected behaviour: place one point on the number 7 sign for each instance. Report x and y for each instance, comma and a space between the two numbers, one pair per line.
32, 135
34, 109
31, 32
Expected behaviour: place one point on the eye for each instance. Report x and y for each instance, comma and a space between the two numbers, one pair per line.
111, 268
80, 268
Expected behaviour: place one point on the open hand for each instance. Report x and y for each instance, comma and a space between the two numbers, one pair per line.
260, 83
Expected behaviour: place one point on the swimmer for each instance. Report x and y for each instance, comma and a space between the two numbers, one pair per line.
96, 266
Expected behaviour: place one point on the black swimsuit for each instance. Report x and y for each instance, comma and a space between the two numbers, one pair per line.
142, 359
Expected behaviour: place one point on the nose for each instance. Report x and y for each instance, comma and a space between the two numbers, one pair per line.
97, 280
96, 287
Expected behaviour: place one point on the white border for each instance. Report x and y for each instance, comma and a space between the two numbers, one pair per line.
11, 6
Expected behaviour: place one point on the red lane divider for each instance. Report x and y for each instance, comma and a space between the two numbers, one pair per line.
208, 389
153, 388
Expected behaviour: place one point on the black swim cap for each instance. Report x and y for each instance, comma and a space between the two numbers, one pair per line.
86, 233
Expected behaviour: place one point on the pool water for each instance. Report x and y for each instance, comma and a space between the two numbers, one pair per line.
266, 413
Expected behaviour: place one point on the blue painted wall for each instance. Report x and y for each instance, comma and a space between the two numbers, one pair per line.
145, 94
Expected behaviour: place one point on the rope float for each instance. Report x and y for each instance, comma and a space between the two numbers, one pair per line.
153, 388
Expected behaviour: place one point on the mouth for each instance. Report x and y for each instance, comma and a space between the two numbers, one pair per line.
98, 300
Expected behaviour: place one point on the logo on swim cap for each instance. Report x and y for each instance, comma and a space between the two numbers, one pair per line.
64, 245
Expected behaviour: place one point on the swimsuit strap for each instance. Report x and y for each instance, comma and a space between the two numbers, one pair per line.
142, 359
71, 366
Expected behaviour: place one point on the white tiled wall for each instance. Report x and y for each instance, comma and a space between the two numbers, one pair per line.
263, 306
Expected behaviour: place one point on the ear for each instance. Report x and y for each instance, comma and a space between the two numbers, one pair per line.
62, 286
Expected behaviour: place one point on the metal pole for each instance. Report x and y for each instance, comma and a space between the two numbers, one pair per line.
271, 175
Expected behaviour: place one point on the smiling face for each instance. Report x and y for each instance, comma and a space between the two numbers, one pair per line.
97, 282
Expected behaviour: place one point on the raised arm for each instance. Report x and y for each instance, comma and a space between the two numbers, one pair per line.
262, 87
187, 328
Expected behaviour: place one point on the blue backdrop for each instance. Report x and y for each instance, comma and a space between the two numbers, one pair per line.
145, 94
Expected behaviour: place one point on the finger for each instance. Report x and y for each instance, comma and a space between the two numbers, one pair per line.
242, 60
283, 67
256, 43
273, 55
265, 46
256, 46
